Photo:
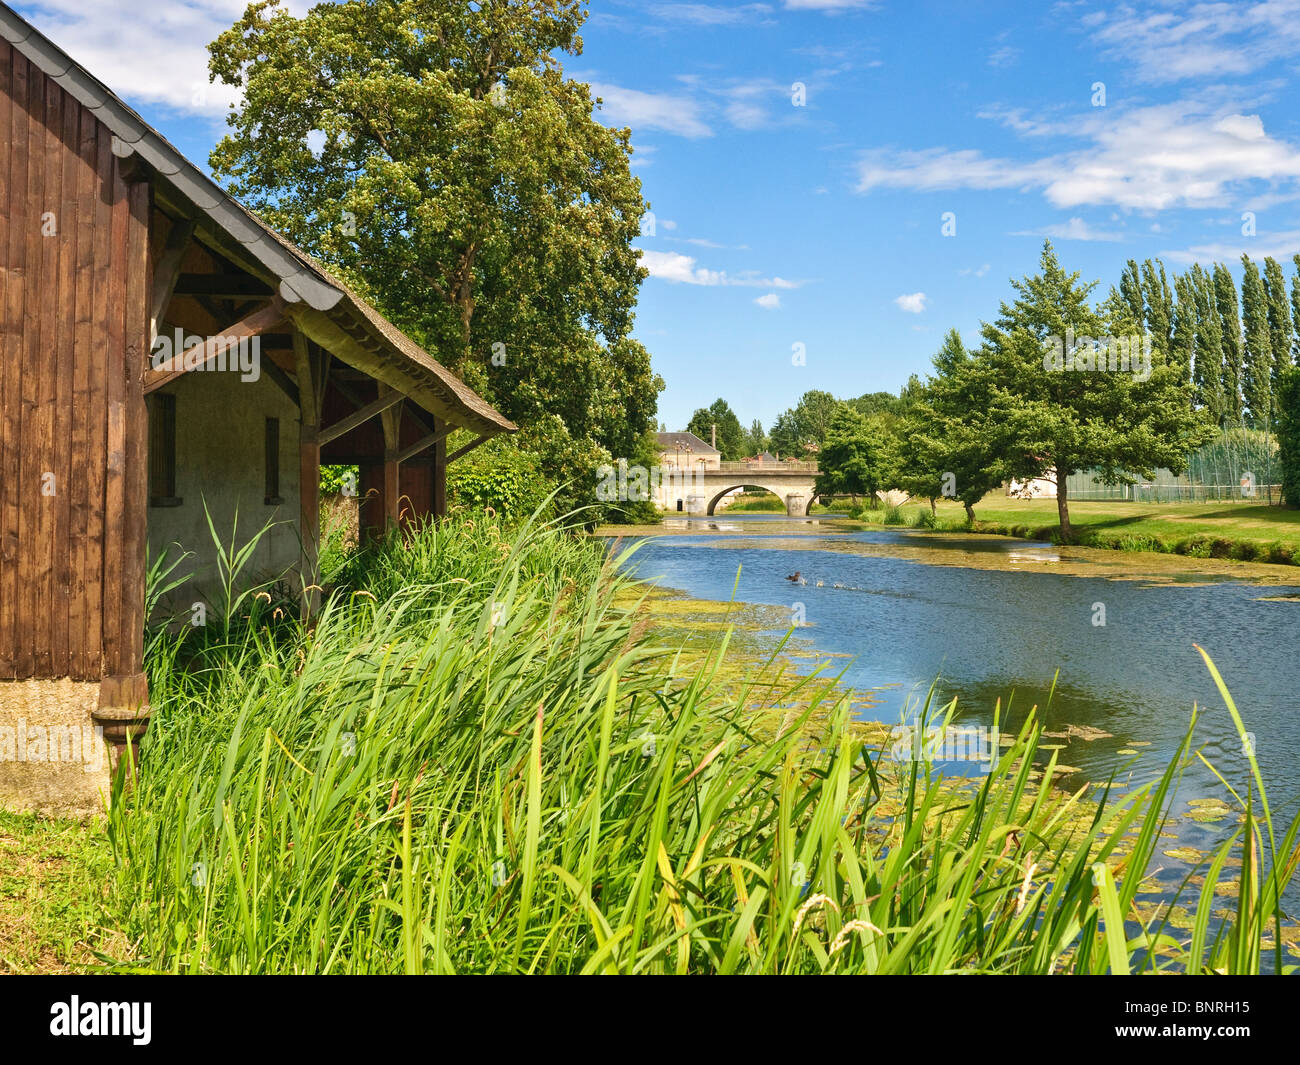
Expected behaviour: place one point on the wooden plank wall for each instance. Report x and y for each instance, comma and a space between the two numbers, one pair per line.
73, 342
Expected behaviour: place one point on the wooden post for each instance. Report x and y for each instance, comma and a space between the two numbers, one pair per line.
311, 391
123, 709
391, 419
439, 471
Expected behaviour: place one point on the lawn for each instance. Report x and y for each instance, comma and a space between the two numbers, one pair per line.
1246, 530
53, 879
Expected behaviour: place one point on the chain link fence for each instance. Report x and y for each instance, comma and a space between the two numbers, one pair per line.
1239, 464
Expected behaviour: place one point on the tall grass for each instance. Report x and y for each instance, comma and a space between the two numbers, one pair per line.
474, 760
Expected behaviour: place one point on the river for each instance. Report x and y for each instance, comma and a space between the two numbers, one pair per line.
991, 618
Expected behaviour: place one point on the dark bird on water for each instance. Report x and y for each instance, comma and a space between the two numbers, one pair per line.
794, 576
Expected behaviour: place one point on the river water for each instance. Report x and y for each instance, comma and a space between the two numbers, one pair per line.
991, 618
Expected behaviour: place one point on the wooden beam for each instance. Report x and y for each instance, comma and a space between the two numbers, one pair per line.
308, 474
222, 286
167, 271
201, 354
420, 445
392, 422
346, 425
439, 475
460, 451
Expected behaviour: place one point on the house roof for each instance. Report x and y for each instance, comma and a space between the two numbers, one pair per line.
670, 441
318, 302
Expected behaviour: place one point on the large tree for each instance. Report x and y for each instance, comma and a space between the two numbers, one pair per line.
1055, 413
803, 428
435, 155
731, 434
849, 463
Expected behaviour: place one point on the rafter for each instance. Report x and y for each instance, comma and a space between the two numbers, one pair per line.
359, 417
200, 355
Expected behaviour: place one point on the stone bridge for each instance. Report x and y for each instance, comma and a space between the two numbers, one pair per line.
790, 482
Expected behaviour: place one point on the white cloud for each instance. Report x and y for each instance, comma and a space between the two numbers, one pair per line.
978, 271
1074, 229
770, 302
711, 14
1150, 158
912, 302
155, 57
1214, 39
681, 269
1280, 246
829, 6
668, 112
1005, 56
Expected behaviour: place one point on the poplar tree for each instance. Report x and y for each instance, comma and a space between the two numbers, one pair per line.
1159, 305
1225, 296
1208, 370
1182, 346
1295, 311
1279, 319
1130, 290
1257, 357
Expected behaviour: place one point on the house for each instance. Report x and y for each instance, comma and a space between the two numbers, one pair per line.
164, 355
685, 450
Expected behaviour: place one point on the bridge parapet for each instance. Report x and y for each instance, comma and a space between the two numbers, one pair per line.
765, 467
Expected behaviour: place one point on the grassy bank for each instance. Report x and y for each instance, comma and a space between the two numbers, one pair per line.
484, 756
1248, 532
485, 762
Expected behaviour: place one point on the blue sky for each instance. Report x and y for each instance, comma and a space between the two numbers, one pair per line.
821, 225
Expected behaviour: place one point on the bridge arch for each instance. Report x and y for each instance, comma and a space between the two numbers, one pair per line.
796, 502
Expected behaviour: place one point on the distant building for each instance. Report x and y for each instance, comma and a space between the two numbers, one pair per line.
1038, 488
686, 450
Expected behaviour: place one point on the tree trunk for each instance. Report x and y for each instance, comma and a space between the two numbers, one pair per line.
970, 513
1063, 509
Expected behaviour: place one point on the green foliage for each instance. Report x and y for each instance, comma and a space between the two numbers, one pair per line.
498, 476
1225, 295
1257, 360
732, 438
943, 444
1288, 433
334, 479
849, 462
807, 423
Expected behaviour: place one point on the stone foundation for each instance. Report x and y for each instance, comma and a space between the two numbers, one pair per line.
54, 757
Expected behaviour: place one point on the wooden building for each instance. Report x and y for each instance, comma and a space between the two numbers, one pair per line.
115, 252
